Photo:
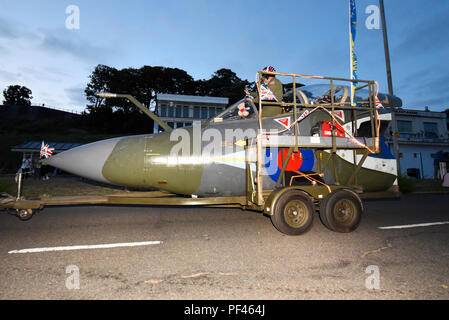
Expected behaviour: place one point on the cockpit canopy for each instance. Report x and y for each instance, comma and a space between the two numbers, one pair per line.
321, 93
232, 113
311, 94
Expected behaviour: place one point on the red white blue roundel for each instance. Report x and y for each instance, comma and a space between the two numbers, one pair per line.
303, 160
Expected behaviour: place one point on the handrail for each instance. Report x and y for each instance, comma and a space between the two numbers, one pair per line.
139, 105
371, 109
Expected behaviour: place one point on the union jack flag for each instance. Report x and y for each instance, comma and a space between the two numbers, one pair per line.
46, 151
266, 94
379, 104
303, 115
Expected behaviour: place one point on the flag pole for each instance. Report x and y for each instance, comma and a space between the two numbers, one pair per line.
387, 51
390, 88
354, 62
350, 51
352, 35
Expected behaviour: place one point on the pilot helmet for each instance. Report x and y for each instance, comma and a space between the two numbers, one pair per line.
269, 69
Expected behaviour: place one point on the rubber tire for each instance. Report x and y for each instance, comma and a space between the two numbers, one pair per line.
327, 212
24, 214
279, 220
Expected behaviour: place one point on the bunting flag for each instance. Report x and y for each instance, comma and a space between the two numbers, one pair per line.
285, 122
303, 115
379, 104
352, 34
266, 94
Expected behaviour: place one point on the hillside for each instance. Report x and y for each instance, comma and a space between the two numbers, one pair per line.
17, 127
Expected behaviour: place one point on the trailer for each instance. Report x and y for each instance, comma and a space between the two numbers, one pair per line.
291, 206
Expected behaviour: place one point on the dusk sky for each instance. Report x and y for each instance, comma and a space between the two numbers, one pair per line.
38, 51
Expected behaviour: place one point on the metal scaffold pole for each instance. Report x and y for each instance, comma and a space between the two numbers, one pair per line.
387, 51
390, 87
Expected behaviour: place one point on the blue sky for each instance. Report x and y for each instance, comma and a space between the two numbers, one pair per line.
200, 36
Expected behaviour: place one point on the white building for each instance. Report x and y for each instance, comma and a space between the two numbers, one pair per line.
179, 110
421, 135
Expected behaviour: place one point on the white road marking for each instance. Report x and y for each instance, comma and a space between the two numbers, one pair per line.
85, 247
415, 225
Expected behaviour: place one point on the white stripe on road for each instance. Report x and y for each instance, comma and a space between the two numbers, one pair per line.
415, 225
97, 246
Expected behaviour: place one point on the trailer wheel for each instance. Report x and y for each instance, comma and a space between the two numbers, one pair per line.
293, 213
24, 214
341, 211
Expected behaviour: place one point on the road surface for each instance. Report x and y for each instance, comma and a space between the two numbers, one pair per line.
203, 253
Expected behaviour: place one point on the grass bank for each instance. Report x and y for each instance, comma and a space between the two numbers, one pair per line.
57, 186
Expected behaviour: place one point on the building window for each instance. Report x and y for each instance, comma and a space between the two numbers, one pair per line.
196, 112
188, 124
163, 110
178, 111
185, 112
204, 113
430, 130
170, 112
404, 126
218, 110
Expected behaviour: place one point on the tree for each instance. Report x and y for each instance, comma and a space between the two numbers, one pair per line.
223, 83
145, 84
100, 80
17, 95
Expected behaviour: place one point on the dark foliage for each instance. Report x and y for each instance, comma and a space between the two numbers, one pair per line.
17, 95
120, 116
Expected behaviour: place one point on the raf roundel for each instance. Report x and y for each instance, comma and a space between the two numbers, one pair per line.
303, 160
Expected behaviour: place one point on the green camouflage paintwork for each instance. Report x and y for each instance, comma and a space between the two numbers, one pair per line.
133, 163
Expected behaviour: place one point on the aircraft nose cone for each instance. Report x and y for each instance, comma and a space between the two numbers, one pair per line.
86, 160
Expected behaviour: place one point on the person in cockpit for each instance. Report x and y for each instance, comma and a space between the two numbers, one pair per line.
270, 90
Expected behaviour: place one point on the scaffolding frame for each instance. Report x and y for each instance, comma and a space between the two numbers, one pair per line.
255, 192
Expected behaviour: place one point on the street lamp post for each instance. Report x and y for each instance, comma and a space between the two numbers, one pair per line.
387, 52
390, 87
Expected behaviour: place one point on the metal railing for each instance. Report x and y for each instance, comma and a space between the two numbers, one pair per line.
364, 107
61, 109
